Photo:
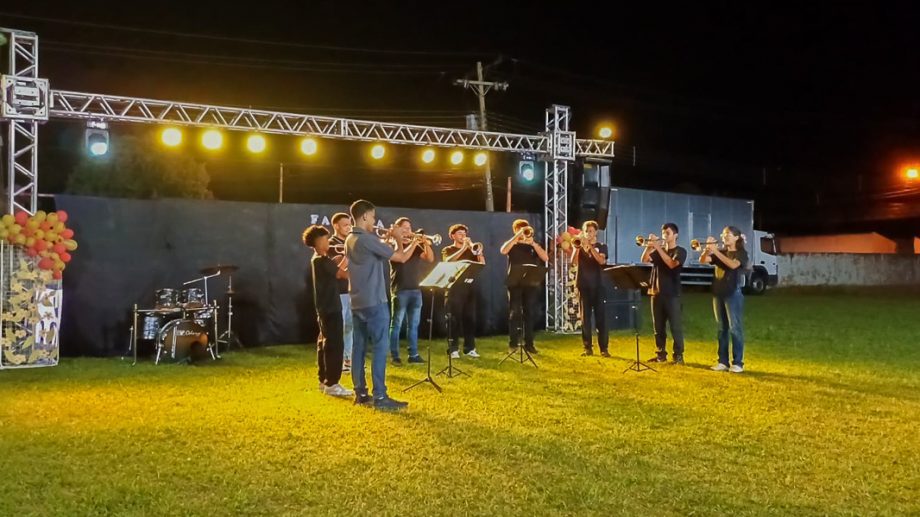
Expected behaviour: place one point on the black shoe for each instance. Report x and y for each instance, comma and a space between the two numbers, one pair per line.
397, 361
532, 350
363, 399
658, 359
587, 353
605, 353
678, 360
416, 359
388, 404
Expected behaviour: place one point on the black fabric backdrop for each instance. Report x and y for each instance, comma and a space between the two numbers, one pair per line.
130, 248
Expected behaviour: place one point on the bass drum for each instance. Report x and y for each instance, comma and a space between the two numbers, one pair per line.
183, 341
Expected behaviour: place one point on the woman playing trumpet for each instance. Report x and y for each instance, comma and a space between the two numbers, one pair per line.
462, 299
727, 300
522, 251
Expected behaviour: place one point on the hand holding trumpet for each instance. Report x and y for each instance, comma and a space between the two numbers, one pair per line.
708, 245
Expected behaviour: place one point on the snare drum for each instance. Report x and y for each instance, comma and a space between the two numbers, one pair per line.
166, 299
192, 298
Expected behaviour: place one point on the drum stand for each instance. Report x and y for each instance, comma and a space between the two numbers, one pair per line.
229, 337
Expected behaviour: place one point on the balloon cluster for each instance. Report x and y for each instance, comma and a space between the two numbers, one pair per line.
44, 237
564, 241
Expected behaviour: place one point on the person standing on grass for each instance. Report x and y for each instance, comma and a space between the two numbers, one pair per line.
727, 300
368, 260
589, 260
406, 294
329, 343
664, 287
341, 223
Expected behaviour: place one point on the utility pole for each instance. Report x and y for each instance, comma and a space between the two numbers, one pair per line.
281, 183
481, 87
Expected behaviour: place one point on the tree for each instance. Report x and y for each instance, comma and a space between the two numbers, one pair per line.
136, 170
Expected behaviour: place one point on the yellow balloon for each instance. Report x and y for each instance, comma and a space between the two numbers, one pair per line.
70, 244
52, 218
20, 239
15, 229
4, 233
30, 241
8, 219
33, 224
59, 227
40, 216
39, 234
51, 236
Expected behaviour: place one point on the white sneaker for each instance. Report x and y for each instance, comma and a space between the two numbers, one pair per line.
720, 368
736, 369
455, 355
337, 390
473, 354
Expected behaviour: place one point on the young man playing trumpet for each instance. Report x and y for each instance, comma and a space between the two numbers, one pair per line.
522, 250
461, 301
589, 257
664, 287
407, 297
341, 224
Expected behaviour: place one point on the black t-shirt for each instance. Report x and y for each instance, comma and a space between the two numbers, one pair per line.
342, 282
664, 280
449, 251
406, 276
726, 280
520, 255
589, 271
325, 289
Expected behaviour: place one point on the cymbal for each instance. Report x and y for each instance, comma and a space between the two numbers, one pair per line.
219, 268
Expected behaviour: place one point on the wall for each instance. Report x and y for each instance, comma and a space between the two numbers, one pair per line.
812, 269
841, 243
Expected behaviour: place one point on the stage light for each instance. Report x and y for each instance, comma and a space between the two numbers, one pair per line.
97, 138
378, 151
456, 157
480, 159
912, 173
605, 132
212, 139
308, 146
255, 143
526, 170
428, 155
171, 136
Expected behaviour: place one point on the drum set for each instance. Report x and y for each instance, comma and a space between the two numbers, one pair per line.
182, 325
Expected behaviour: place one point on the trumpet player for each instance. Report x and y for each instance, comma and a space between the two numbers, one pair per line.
341, 226
404, 288
589, 257
522, 250
667, 259
461, 300
730, 261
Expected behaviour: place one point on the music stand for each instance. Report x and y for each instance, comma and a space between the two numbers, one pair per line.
440, 278
635, 278
466, 273
523, 275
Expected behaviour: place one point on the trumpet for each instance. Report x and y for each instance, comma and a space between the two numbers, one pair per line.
579, 240
383, 233
435, 239
475, 247
642, 241
528, 232
696, 245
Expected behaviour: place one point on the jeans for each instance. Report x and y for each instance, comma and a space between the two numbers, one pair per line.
666, 310
523, 301
329, 349
593, 301
406, 304
371, 325
729, 311
461, 304
347, 326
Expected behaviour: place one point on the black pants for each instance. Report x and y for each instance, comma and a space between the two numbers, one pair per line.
523, 301
667, 310
330, 345
593, 310
461, 307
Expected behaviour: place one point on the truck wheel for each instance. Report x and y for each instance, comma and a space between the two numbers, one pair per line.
758, 284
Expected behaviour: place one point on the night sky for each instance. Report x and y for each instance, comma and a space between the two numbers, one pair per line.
810, 111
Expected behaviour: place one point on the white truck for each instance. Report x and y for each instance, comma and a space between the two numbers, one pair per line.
636, 212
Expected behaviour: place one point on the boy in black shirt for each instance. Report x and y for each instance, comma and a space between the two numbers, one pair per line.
589, 260
664, 286
522, 250
461, 300
329, 343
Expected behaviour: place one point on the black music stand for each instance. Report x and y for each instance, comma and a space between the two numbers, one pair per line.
632, 278
465, 273
523, 275
440, 279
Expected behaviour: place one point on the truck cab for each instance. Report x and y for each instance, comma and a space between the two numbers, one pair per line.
763, 273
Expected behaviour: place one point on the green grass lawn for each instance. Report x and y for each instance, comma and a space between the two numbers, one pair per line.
825, 421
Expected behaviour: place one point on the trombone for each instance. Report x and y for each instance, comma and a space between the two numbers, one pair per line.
642, 241
696, 245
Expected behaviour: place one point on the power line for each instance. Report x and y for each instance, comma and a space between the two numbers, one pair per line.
161, 32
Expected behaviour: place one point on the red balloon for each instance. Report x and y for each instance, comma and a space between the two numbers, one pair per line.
46, 226
28, 232
22, 217
65, 257
32, 252
62, 216
57, 275
67, 234
46, 263
41, 245
59, 248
